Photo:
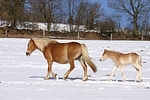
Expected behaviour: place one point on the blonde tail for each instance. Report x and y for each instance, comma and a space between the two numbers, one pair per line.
87, 58
140, 61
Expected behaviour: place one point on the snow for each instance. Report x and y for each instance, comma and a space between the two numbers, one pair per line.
22, 77
43, 26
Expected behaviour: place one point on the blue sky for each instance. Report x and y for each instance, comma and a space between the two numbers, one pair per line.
109, 11
104, 4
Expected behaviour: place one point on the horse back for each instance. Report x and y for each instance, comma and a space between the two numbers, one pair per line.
134, 57
63, 52
129, 58
123, 59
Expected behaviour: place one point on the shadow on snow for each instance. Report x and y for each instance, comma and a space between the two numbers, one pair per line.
79, 78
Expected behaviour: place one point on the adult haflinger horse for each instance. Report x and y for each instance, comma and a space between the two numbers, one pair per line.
121, 60
62, 53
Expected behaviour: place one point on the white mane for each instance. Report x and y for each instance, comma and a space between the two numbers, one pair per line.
113, 51
41, 43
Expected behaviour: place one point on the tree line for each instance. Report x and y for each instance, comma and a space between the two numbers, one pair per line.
79, 12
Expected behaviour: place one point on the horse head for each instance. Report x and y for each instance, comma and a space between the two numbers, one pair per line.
30, 47
104, 56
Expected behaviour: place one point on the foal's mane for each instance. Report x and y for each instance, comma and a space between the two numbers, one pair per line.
41, 43
113, 51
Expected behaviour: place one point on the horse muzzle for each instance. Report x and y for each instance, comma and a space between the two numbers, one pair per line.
100, 59
27, 54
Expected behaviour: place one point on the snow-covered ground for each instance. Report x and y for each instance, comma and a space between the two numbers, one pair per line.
22, 77
43, 26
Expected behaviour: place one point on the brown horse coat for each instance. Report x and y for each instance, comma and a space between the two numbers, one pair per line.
62, 53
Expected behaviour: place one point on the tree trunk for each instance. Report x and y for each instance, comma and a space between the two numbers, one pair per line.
48, 26
135, 26
13, 23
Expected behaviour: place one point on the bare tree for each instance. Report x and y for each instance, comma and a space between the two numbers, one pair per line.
107, 26
132, 8
94, 12
51, 10
83, 12
13, 9
71, 6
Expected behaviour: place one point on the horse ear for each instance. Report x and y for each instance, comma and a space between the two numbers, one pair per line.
32, 38
105, 50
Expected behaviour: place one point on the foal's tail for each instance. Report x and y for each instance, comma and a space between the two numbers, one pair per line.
140, 61
87, 58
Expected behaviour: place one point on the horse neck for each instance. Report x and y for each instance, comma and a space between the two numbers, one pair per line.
112, 55
41, 44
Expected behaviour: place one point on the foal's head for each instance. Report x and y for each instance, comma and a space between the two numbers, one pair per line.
30, 47
104, 56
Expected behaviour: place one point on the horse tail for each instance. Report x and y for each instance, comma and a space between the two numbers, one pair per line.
87, 58
140, 61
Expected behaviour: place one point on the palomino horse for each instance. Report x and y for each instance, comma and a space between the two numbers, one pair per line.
62, 53
121, 60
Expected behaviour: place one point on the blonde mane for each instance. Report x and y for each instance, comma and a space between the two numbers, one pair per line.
113, 51
41, 43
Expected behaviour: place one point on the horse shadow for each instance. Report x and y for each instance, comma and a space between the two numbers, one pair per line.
36, 77
127, 81
61, 78
79, 78
119, 80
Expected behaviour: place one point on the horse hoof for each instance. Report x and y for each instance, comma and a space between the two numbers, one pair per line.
85, 78
55, 76
46, 78
65, 78
124, 81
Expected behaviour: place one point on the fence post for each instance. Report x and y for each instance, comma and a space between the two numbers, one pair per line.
111, 36
6, 33
78, 35
142, 37
43, 33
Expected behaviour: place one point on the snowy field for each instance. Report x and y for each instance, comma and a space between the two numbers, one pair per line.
22, 77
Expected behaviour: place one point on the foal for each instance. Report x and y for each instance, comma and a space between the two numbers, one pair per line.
120, 60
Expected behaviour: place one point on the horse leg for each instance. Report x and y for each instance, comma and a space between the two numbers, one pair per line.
139, 73
113, 71
49, 70
138, 68
122, 71
53, 74
81, 60
70, 69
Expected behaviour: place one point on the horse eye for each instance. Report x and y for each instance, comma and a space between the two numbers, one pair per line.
103, 54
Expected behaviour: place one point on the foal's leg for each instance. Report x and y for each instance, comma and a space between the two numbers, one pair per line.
81, 60
122, 71
139, 73
70, 69
112, 73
